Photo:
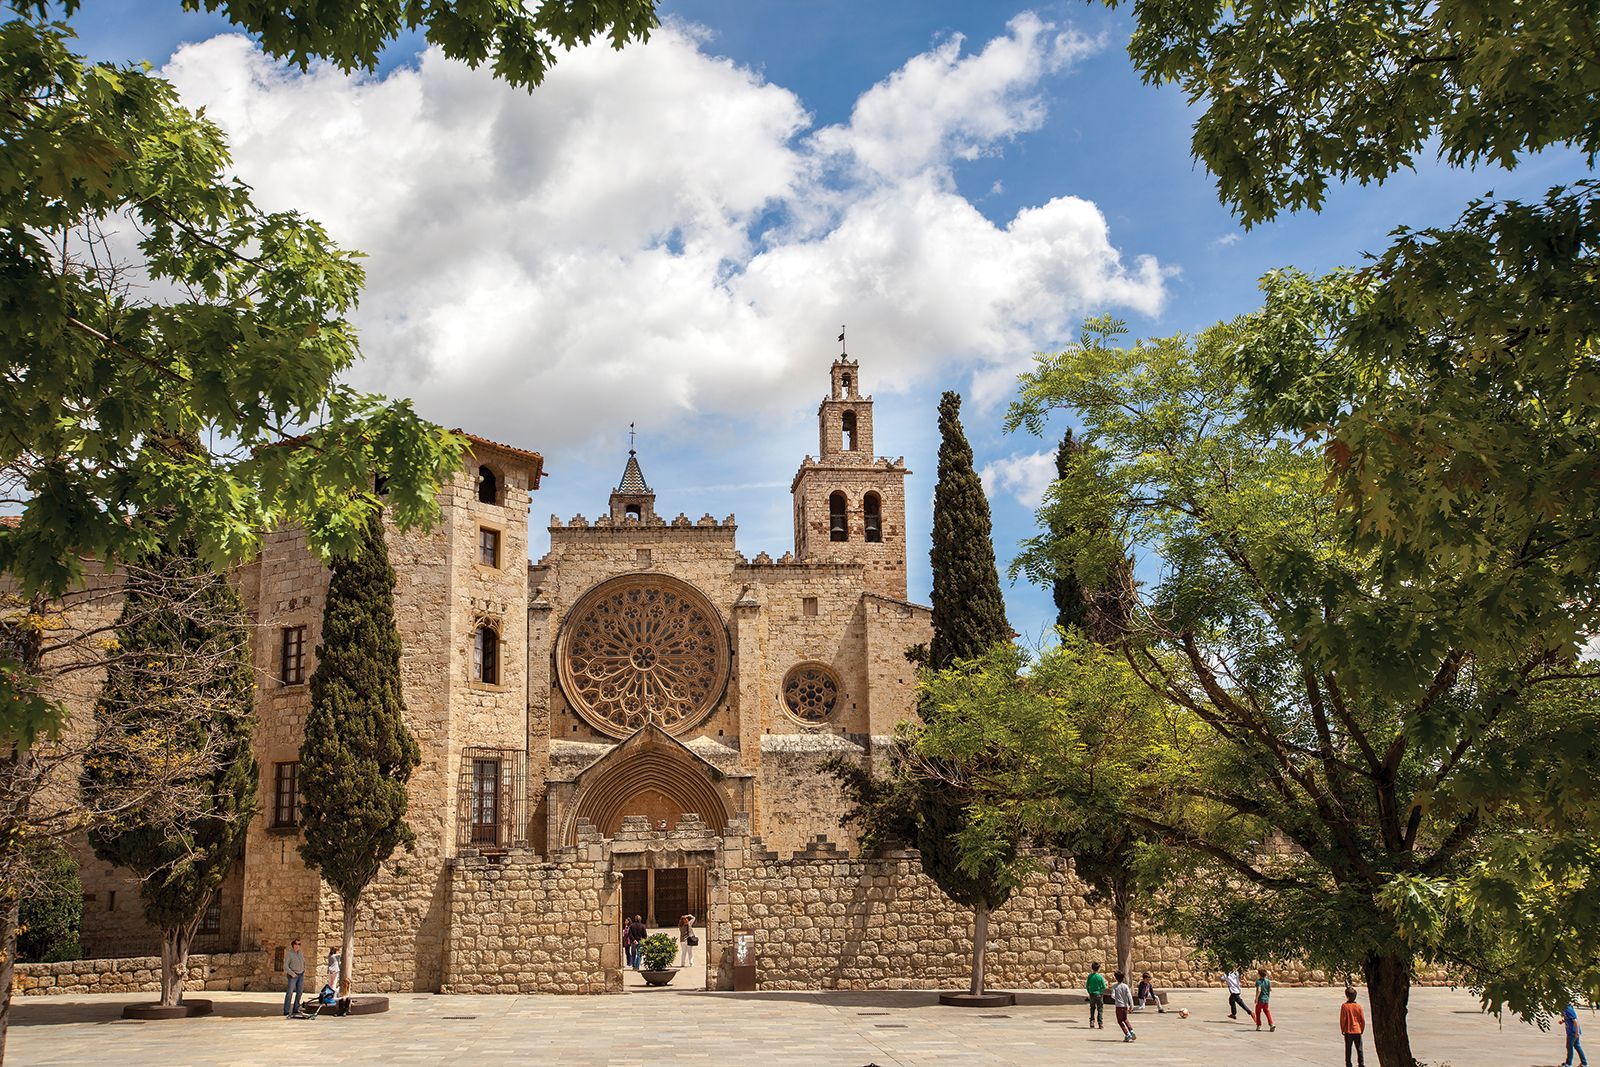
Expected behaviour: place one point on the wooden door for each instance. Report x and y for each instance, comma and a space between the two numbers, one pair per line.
635, 894
672, 895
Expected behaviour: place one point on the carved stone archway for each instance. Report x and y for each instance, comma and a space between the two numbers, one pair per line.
655, 775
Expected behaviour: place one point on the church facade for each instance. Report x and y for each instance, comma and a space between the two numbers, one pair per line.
643, 672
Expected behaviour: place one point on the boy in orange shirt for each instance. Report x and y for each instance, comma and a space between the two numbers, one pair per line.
1352, 1024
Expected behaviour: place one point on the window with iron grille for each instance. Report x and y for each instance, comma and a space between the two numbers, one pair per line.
293, 662
491, 799
211, 919
486, 802
286, 794
488, 547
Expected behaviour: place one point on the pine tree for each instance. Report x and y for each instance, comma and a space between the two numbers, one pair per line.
969, 612
171, 751
358, 754
1072, 607
969, 618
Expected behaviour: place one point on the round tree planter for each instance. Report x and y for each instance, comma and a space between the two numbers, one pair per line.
978, 1000
368, 1005
658, 977
189, 1009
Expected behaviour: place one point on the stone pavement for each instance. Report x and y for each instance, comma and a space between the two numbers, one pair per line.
766, 1029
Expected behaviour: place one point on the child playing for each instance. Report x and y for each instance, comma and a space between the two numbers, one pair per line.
1122, 997
1147, 993
1096, 986
1263, 994
1352, 1024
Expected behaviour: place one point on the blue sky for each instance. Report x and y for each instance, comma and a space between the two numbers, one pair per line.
672, 237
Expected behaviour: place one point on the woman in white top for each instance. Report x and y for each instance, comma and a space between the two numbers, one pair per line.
687, 939
333, 970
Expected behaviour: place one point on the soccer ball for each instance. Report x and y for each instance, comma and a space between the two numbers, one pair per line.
1183, 1013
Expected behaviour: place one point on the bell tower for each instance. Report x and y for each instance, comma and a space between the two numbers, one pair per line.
850, 505
633, 500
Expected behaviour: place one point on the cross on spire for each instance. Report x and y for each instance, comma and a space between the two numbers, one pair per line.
630, 438
841, 341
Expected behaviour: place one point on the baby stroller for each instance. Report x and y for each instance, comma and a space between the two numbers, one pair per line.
310, 1009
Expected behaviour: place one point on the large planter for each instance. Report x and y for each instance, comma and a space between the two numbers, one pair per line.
659, 977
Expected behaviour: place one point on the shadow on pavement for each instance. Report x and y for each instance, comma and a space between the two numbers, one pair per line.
47, 1011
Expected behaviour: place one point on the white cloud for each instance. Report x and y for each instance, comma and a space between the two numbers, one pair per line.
1227, 240
659, 233
1025, 475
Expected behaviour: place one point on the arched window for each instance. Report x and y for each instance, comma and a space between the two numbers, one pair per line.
632, 513
838, 525
849, 434
488, 486
872, 514
486, 656
845, 380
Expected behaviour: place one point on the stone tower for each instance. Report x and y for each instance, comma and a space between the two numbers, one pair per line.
850, 505
632, 500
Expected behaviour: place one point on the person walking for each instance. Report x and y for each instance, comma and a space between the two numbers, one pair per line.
1352, 1024
637, 933
1236, 1002
294, 969
687, 939
1096, 986
1147, 993
1569, 1019
1263, 995
1122, 998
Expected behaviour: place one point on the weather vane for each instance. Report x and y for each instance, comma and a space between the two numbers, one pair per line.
841, 341
630, 437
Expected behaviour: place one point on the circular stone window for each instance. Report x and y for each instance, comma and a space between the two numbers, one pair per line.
810, 692
643, 647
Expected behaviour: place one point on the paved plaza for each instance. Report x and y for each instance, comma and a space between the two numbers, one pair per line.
765, 1029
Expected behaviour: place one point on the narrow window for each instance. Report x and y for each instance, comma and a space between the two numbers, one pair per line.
286, 794
488, 547
872, 513
808, 605
211, 919
292, 664
632, 513
486, 656
845, 380
849, 434
488, 486
838, 528
485, 802
111, 900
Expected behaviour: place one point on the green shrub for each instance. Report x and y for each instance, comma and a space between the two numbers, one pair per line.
52, 908
659, 951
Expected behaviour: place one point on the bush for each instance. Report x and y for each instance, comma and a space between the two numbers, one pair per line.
659, 951
52, 908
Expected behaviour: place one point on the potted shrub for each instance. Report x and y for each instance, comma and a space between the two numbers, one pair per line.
659, 951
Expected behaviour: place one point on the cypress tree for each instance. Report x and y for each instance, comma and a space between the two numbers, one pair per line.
170, 761
1072, 607
969, 618
358, 754
969, 613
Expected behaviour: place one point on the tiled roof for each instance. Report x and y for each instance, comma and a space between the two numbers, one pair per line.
632, 477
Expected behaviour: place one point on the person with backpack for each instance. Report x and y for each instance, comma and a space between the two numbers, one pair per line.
636, 935
1352, 1024
1096, 987
1569, 1021
1263, 995
1122, 998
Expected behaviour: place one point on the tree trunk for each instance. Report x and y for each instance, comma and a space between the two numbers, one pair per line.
1389, 991
1122, 911
8, 959
175, 944
348, 952
980, 944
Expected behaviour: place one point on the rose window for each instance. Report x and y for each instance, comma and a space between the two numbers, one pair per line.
810, 692
642, 648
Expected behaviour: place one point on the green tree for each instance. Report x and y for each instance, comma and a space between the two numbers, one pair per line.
1359, 767
969, 611
52, 907
177, 707
1072, 603
1454, 382
358, 753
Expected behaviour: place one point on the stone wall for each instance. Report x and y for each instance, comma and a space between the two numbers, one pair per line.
519, 924
138, 974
